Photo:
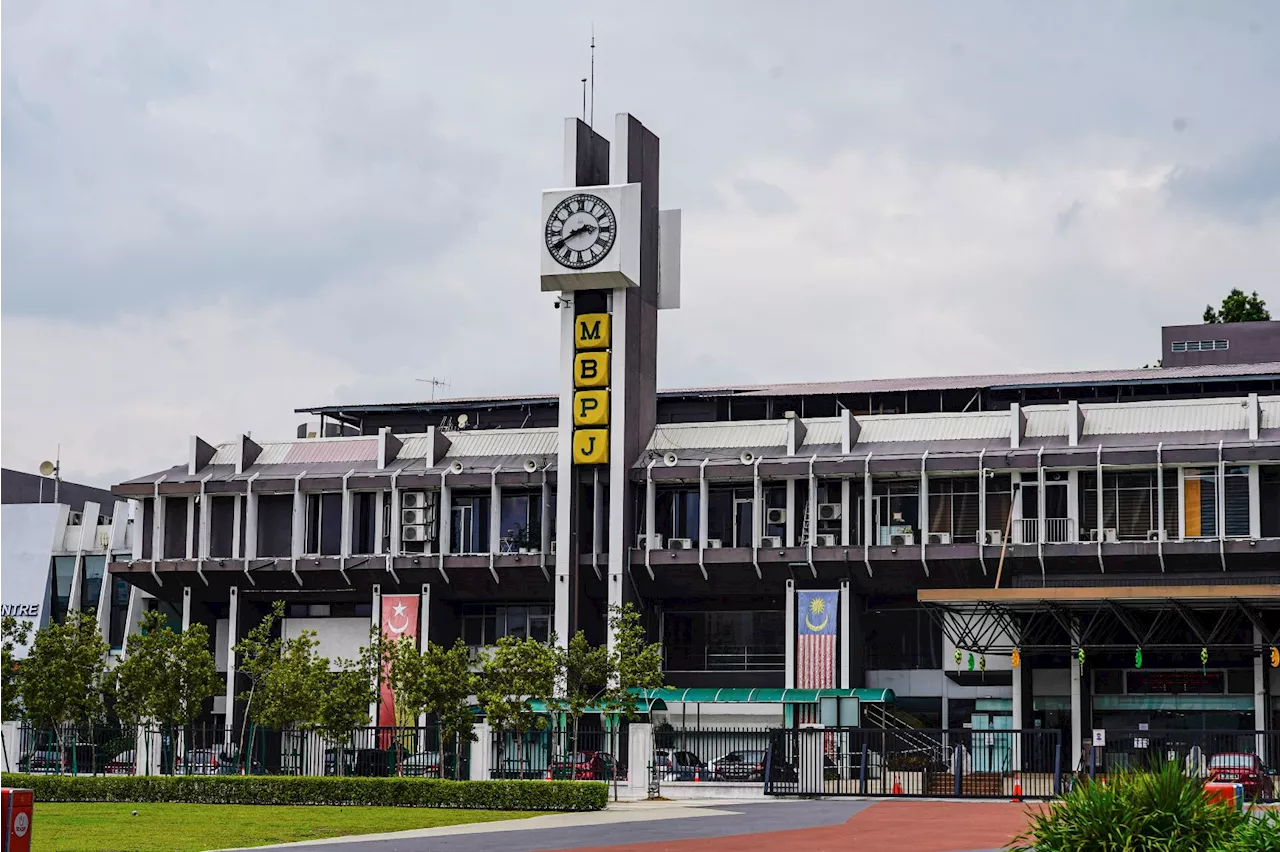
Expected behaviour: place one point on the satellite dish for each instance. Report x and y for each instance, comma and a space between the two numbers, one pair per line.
48, 468
463, 420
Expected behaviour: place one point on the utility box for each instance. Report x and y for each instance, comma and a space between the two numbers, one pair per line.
17, 807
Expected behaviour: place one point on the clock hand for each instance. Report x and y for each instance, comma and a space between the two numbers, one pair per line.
571, 235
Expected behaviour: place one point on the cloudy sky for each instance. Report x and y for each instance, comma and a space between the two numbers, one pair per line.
214, 213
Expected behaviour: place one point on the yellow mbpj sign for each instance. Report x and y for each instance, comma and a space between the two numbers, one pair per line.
591, 340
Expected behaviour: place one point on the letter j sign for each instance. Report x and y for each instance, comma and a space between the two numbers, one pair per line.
591, 446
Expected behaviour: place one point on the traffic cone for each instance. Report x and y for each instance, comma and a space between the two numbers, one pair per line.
1017, 787
547, 776
897, 788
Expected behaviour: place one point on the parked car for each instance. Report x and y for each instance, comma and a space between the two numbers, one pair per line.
124, 763
1241, 768
42, 760
199, 761
424, 764
740, 766
583, 766
679, 766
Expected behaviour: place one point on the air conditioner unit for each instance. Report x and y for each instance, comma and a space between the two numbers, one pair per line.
714, 544
939, 538
474, 653
104, 539
902, 540
553, 547
775, 516
992, 538
1157, 535
413, 532
824, 540
413, 516
642, 541
75, 519
680, 544
1104, 534
771, 541
829, 511
413, 500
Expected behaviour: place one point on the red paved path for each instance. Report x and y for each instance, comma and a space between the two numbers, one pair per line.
888, 826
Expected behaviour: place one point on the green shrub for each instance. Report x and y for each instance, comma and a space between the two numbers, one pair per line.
305, 790
1160, 811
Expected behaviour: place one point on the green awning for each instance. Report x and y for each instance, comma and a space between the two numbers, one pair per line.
763, 696
643, 705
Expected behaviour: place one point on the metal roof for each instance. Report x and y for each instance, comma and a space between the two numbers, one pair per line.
502, 442
893, 428
733, 434
1146, 375
1162, 417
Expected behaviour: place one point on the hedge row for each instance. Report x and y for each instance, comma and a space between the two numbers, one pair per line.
307, 790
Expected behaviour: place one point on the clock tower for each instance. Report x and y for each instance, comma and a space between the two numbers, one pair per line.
613, 257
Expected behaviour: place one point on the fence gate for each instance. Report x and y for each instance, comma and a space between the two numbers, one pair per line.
907, 762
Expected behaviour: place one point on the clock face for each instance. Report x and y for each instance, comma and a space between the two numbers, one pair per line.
581, 231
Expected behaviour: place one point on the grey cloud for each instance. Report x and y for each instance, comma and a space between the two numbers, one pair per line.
1245, 187
763, 197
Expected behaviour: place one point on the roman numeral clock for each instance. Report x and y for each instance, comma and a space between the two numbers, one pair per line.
591, 238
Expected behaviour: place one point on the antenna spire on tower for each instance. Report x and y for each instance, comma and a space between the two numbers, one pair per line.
591, 121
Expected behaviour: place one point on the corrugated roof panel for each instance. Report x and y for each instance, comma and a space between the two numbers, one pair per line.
225, 454
741, 433
826, 430
1047, 421
893, 428
1269, 415
329, 450
1186, 415
502, 442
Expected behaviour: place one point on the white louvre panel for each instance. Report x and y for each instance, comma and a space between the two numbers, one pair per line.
1270, 413
735, 435
1047, 421
1156, 418
822, 430
895, 428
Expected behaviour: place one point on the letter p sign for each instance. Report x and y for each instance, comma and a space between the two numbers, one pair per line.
591, 408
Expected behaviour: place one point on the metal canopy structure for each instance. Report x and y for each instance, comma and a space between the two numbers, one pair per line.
764, 696
1154, 618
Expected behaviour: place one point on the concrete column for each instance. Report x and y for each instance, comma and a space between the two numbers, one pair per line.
846, 633
845, 519
186, 608
1077, 711
790, 682
1018, 715
790, 540
640, 747
1259, 691
233, 631
482, 752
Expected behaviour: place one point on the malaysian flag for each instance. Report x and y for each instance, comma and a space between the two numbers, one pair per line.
817, 614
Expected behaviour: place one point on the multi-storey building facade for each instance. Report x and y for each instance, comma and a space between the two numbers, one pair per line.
1002, 545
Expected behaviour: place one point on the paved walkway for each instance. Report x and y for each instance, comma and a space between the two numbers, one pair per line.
719, 826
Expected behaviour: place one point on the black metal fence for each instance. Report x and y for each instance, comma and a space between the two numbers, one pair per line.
1228, 755
218, 750
953, 763
709, 754
560, 754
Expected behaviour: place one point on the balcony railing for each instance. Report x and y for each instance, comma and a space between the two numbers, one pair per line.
725, 658
1056, 531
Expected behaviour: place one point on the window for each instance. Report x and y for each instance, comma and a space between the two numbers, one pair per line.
1269, 500
469, 523
953, 507
275, 525
485, 624
676, 513
95, 568
63, 571
902, 639
119, 612
175, 528
520, 529
324, 525
1200, 346
222, 522
364, 519
1130, 503
741, 640
1200, 490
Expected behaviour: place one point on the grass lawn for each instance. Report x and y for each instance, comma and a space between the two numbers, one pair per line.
111, 827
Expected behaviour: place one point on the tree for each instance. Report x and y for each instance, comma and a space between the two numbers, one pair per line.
1237, 307
515, 672
166, 676
635, 664
449, 684
287, 677
12, 635
64, 674
344, 706
584, 671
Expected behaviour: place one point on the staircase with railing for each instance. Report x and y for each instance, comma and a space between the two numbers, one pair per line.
880, 716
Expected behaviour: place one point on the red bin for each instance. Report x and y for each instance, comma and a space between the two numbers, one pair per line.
17, 805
